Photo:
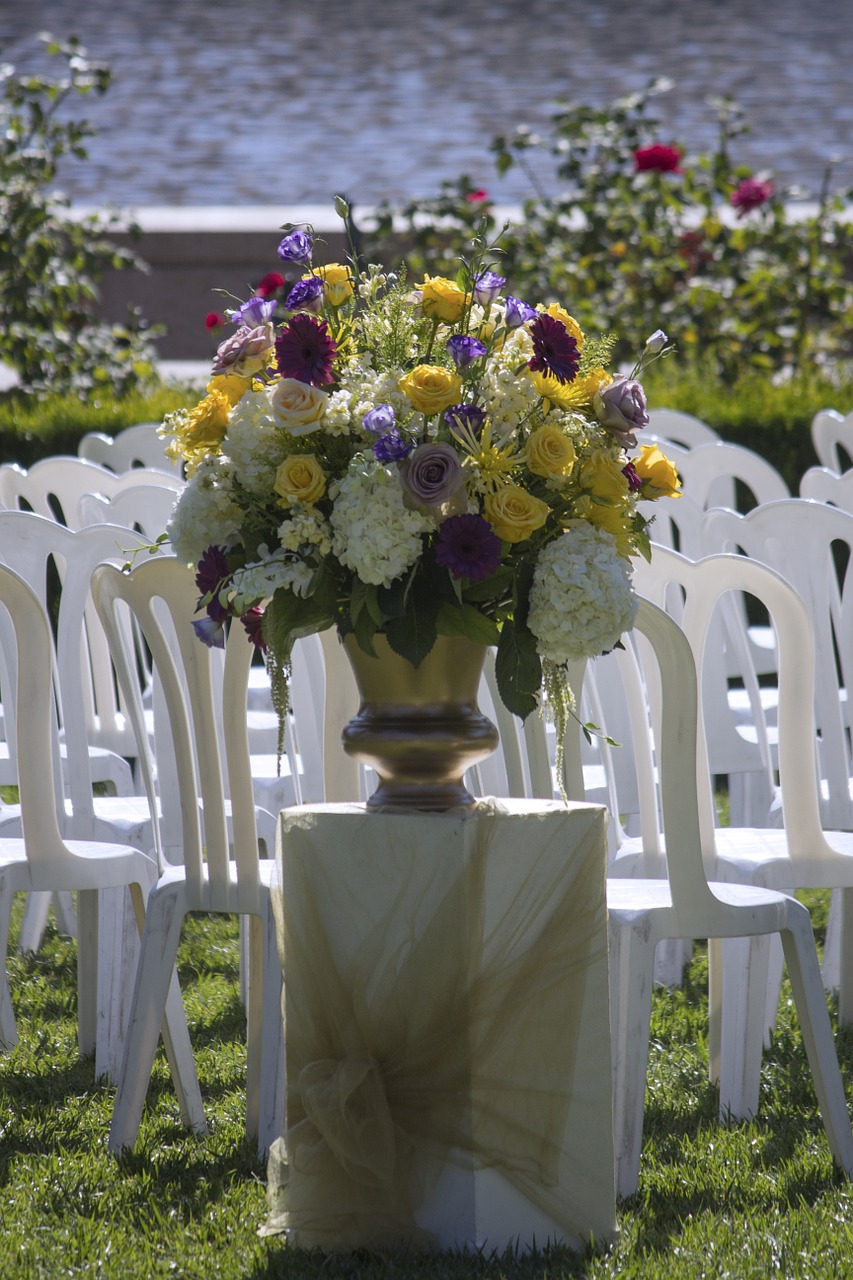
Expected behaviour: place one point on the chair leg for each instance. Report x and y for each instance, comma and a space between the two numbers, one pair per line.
631, 983
118, 954
804, 972
163, 922
744, 998
176, 1037
845, 959
87, 971
264, 1033
8, 1027
34, 921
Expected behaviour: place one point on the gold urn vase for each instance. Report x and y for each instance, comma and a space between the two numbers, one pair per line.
419, 727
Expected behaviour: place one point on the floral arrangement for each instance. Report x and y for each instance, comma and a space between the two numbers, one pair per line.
416, 458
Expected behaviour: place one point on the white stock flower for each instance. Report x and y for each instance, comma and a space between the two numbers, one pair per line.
581, 600
254, 443
257, 582
374, 533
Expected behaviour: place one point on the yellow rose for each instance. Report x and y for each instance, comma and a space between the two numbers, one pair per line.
514, 513
550, 452
232, 385
575, 331
603, 477
337, 283
297, 407
429, 388
300, 478
658, 473
442, 299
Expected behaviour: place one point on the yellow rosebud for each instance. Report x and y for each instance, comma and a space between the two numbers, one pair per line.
658, 473
429, 388
603, 477
514, 513
337, 283
550, 452
442, 299
575, 331
300, 478
232, 385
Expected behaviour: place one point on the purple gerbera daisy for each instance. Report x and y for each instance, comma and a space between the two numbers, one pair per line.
555, 351
305, 350
253, 620
468, 546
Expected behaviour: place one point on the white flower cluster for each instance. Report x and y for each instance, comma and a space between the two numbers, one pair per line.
254, 442
205, 513
306, 527
506, 397
581, 599
258, 581
374, 532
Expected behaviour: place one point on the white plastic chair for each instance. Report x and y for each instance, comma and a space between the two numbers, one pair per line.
681, 428
820, 484
832, 437
684, 904
43, 861
133, 447
54, 486
146, 507
202, 870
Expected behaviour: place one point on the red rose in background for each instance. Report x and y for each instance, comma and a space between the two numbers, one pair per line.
657, 159
213, 320
750, 194
268, 284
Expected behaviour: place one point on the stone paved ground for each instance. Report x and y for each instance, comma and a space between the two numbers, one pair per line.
280, 103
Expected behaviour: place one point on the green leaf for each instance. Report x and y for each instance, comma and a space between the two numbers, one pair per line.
413, 635
287, 617
465, 620
492, 588
518, 669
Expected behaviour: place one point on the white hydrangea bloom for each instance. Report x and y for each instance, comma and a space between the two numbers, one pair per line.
581, 600
505, 396
254, 442
305, 528
374, 533
205, 513
339, 418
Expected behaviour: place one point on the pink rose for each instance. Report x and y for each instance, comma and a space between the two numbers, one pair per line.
750, 194
657, 159
246, 351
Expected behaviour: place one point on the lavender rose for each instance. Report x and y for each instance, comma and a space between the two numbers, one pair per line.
431, 475
621, 409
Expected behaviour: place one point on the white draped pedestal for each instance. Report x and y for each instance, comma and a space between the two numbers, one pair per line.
446, 1026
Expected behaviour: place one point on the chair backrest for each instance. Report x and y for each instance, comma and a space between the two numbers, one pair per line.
145, 507
27, 644
820, 484
717, 474
811, 545
832, 437
54, 486
57, 563
681, 428
161, 595
136, 446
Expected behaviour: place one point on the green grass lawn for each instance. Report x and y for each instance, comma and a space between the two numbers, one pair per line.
751, 1200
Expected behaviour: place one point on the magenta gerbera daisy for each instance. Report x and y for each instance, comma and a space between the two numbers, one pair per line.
555, 351
468, 546
305, 350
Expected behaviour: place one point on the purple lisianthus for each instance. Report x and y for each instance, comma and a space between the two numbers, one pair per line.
392, 447
379, 421
487, 286
629, 471
210, 632
254, 312
621, 409
460, 417
431, 475
305, 350
464, 350
656, 342
468, 546
306, 295
555, 350
253, 621
296, 247
518, 312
